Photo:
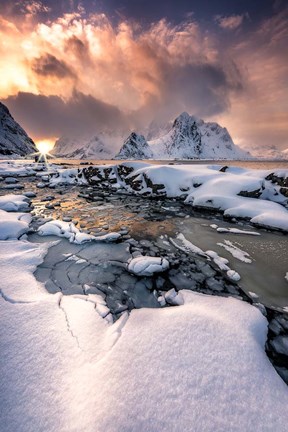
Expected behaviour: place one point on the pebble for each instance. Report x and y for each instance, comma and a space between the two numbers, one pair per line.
30, 194
48, 198
49, 206
10, 180
13, 186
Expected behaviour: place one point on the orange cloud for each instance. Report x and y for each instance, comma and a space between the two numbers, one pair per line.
155, 72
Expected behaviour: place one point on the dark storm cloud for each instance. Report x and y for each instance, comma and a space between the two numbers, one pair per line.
202, 89
49, 65
141, 10
44, 116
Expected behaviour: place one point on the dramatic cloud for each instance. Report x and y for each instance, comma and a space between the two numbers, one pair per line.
259, 116
78, 116
77, 68
163, 69
49, 65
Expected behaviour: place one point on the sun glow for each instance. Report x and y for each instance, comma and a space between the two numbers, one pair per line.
44, 146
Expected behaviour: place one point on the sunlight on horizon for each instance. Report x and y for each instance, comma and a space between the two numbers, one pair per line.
45, 146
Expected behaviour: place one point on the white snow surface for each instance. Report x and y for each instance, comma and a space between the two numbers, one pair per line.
64, 368
13, 225
147, 266
73, 234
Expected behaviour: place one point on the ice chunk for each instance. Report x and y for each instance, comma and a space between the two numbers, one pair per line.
235, 251
190, 246
147, 266
236, 231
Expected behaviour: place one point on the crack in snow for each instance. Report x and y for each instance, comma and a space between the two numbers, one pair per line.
11, 301
67, 322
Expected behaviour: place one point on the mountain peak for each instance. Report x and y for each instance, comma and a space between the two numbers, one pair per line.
135, 147
185, 118
189, 137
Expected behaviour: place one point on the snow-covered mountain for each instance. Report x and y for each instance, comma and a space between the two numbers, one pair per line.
135, 147
14, 141
73, 148
188, 138
270, 153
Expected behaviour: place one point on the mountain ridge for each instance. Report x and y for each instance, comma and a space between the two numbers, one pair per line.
189, 138
14, 141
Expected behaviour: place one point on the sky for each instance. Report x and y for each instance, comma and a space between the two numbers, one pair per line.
72, 67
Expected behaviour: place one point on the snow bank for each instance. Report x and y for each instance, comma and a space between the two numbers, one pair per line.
65, 368
69, 231
13, 203
147, 266
258, 195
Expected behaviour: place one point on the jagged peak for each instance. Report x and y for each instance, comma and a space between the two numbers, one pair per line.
135, 138
184, 118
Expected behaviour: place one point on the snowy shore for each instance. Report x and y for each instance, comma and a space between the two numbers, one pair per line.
67, 366
259, 196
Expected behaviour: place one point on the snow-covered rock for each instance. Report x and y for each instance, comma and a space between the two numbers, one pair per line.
135, 147
13, 203
14, 141
13, 225
147, 266
188, 138
174, 298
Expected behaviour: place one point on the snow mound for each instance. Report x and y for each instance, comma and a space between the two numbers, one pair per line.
13, 225
147, 266
13, 203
